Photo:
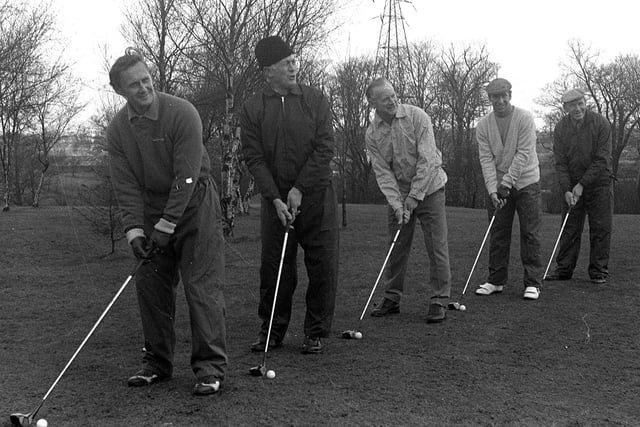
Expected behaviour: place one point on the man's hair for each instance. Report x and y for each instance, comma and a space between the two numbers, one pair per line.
130, 58
379, 82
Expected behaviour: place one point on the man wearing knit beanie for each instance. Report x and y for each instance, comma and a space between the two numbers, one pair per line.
288, 144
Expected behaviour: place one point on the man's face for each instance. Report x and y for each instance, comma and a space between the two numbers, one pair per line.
576, 109
136, 87
284, 73
384, 100
501, 102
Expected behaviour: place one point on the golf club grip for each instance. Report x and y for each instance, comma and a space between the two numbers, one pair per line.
553, 252
384, 264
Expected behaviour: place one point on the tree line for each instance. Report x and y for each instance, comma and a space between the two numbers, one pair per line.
203, 50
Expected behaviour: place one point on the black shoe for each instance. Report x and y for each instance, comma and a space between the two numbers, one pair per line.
386, 307
599, 280
144, 377
258, 346
207, 385
436, 313
311, 346
557, 276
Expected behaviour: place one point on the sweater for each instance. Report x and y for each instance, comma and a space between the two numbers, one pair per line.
155, 161
514, 162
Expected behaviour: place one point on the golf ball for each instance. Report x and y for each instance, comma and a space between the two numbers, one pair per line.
358, 335
463, 307
42, 423
271, 374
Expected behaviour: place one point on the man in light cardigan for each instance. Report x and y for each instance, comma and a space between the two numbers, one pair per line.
507, 147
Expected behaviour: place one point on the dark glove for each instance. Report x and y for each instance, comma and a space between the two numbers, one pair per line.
160, 239
503, 191
141, 248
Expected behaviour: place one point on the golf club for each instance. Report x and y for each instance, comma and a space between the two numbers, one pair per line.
564, 222
456, 305
355, 333
19, 419
261, 370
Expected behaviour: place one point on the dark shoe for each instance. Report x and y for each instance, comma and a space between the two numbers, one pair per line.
258, 346
436, 313
207, 385
311, 346
386, 307
144, 377
599, 281
557, 276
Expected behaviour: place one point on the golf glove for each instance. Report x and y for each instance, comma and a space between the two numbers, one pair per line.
503, 191
141, 248
160, 239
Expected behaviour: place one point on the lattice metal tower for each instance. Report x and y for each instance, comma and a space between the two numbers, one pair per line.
393, 57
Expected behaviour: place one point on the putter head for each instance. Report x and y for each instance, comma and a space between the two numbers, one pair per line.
19, 419
258, 371
453, 306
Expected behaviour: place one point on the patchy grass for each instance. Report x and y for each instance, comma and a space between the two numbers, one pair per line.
568, 359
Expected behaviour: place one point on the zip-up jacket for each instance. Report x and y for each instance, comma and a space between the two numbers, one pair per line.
287, 141
583, 154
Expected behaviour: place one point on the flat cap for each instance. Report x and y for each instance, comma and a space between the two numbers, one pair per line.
271, 50
572, 95
498, 85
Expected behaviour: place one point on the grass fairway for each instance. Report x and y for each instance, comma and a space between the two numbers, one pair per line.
572, 358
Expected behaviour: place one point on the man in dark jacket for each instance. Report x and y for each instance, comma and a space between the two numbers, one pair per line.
582, 149
171, 214
287, 139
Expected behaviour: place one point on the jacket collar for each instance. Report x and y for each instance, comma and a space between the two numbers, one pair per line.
268, 90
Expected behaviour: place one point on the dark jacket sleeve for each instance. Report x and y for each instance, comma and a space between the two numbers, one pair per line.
601, 157
560, 153
253, 150
317, 166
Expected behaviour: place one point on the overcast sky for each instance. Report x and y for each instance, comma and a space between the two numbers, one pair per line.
527, 39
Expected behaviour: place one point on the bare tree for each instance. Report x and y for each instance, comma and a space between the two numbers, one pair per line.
55, 106
463, 75
24, 32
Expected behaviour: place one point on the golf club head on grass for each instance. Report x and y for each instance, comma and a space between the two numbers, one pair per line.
454, 306
19, 419
258, 371
352, 335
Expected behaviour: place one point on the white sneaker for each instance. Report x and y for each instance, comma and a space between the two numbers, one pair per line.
531, 292
488, 289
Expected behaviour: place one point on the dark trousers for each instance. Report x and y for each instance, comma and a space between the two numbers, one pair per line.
598, 204
316, 230
195, 255
526, 202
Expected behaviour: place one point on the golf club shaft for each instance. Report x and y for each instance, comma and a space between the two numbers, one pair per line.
564, 222
275, 294
384, 264
486, 234
104, 313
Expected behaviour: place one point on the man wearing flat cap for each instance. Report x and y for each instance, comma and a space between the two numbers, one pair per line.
287, 139
582, 150
507, 148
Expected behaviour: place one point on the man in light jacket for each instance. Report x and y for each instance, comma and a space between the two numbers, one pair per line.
507, 149
408, 168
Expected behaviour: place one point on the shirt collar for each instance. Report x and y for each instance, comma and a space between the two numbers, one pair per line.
151, 113
400, 113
